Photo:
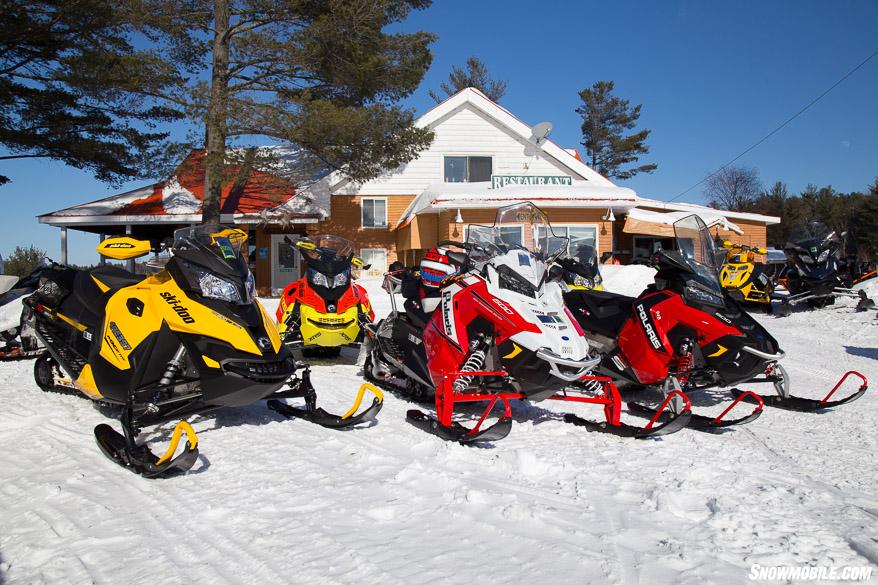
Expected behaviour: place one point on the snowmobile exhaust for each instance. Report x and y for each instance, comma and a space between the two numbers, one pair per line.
302, 388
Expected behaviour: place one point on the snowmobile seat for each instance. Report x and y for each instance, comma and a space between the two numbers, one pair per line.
600, 311
115, 277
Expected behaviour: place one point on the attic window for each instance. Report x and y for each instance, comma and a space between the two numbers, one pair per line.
468, 169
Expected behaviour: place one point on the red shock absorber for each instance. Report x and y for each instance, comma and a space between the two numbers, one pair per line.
683, 361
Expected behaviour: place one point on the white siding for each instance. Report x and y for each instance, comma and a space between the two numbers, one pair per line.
464, 131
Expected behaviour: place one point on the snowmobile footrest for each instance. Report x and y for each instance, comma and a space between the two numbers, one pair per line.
141, 460
320, 417
798, 404
456, 431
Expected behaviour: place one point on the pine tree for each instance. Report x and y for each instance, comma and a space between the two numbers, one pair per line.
72, 83
321, 77
474, 75
605, 119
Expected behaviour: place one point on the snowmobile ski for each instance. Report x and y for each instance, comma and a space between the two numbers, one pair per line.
17, 353
302, 388
785, 401
700, 422
459, 433
123, 450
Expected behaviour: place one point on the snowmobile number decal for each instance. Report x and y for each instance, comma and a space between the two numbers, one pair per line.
647, 326
181, 311
119, 337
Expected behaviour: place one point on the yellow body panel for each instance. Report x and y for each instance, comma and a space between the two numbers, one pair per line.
123, 248
734, 275
270, 328
101, 285
86, 383
328, 335
164, 300
574, 287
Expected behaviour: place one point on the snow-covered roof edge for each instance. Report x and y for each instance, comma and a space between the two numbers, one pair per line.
694, 207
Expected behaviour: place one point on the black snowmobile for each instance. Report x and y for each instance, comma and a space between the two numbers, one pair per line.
189, 339
816, 274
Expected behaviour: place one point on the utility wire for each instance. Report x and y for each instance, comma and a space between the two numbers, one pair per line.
779, 128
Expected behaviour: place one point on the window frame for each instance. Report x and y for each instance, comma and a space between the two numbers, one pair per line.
386, 257
467, 156
363, 214
566, 226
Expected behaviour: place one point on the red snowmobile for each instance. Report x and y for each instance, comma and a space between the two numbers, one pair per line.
684, 333
500, 333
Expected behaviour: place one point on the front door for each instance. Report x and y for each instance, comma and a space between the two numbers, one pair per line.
284, 263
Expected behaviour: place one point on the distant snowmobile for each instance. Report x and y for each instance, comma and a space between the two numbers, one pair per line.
684, 332
500, 332
816, 275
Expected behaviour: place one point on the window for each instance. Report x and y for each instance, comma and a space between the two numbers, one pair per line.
374, 213
581, 238
468, 169
376, 258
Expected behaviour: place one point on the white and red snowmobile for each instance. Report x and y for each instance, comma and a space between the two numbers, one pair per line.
685, 332
500, 333
19, 342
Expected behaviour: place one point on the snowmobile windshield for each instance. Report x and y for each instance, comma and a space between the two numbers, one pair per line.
213, 259
814, 234
586, 255
522, 226
328, 259
520, 245
699, 254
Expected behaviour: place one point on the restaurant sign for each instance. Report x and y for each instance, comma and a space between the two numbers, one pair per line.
498, 181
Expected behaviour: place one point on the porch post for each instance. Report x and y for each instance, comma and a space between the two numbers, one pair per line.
102, 261
63, 245
131, 265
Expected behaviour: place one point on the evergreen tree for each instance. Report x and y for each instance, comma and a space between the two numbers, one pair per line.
605, 119
321, 77
22, 261
474, 75
72, 83
865, 223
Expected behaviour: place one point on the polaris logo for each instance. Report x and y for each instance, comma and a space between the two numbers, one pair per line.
448, 315
181, 311
648, 328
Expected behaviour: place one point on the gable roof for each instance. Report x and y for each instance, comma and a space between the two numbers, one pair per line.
476, 99
248, 194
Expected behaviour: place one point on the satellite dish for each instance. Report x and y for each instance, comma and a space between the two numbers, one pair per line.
540, 131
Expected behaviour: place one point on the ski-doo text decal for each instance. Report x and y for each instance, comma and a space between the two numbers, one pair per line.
178, 308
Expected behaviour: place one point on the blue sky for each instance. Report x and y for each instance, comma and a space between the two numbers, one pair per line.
713, 77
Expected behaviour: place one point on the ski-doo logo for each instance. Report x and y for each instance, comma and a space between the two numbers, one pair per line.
121, 245
648, 328
182, 311
119, 337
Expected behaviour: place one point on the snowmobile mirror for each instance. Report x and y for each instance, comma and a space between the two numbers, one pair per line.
357, 262
123, 248
727, 244
762, 251
556, 273
306, 245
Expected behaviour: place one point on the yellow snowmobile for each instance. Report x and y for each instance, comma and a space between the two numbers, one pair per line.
189, 339
325, 309
744, 279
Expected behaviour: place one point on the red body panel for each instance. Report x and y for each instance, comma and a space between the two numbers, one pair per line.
644, 339
446, 338
300, 291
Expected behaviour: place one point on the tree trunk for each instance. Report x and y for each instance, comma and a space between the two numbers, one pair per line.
216, 115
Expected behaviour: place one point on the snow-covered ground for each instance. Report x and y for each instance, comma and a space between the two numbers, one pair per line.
276, 501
